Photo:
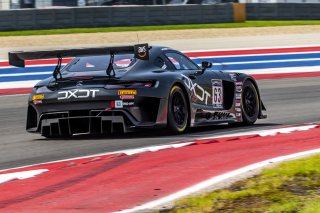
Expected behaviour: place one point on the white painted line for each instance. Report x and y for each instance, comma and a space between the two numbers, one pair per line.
126, 151
263, 133
18, 84
20, 175
153, 148
275, 70
24, 74
255, 54
5, 96
217, 179
272, 61
253, 48
174, 145
27, 66
268, 70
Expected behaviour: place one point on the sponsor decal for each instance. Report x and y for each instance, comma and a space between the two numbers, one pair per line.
238, 109
239, 83
37, 102
118, 104
238, 88
238, 114
217, 93
127, 92
141, 51
220, 115
127, 97
198, 91
38, 97
128, 103
238, 96
238, 104
77, 94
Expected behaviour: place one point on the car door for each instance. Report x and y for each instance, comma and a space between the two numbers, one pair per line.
202, 84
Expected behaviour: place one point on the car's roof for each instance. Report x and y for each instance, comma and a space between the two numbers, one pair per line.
160, 48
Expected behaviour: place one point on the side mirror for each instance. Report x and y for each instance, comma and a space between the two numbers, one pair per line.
205, 65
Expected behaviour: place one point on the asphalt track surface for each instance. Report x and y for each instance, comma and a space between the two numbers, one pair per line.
288, 101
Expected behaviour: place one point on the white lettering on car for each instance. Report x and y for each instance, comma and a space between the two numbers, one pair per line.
77, 93
202, 94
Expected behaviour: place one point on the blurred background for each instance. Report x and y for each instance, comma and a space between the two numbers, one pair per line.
20, 4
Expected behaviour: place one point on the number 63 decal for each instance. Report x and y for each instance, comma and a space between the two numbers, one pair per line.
217, 93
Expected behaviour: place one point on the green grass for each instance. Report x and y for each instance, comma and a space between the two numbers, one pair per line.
163, 27
289, 187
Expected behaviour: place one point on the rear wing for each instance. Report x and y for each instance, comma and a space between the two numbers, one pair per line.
18, 58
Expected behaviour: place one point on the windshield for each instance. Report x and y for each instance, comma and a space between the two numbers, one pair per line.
99, 63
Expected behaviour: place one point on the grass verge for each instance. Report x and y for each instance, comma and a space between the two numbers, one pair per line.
289, 187
162, 27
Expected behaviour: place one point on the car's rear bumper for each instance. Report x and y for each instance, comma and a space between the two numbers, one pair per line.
100, 122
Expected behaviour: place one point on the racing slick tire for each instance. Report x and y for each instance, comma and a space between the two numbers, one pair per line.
250, 103
178, 114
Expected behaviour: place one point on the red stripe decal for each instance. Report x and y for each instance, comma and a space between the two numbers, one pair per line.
15, 91
38, 62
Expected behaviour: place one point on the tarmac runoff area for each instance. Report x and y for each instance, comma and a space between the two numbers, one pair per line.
134, 180
201, 39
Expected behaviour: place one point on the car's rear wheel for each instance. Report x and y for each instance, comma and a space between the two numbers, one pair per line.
177, 111
250, 103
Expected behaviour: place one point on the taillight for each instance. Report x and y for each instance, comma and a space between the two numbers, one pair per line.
112, 104
131, 85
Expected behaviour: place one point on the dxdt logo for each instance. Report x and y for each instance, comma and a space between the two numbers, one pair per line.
77, 93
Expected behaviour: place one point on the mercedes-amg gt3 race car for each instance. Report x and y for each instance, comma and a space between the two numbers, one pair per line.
121, 89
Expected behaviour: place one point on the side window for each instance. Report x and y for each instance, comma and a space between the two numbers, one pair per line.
160, 62
180, 62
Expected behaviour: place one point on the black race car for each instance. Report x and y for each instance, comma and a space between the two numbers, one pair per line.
120, 89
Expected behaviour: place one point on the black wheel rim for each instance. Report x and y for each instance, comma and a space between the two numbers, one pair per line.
179, 109
249, 102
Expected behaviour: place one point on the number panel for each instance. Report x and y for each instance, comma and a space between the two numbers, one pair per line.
217, 93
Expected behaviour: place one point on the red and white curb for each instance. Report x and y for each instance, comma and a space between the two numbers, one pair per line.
150, 177
217, 179
20, 175
262, 133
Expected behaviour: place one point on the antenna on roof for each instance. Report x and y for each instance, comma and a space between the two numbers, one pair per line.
138, 38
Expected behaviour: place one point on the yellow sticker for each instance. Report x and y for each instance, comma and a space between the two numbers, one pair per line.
127, 92
38, 97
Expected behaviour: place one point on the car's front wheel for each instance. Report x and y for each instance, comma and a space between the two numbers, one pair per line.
177, 111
